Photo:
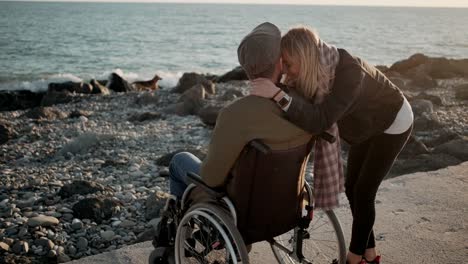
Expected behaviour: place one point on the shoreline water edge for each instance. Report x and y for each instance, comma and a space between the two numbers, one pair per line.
83, 165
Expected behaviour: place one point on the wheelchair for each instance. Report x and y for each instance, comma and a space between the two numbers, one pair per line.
212, 231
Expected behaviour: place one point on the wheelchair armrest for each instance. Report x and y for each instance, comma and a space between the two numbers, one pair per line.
195, 179
260, 146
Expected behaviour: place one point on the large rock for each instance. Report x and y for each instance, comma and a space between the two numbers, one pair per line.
189, 103
438, 68
118, 84
236, 74
461, 92
426, 123
42, 220
208, 115
154, 204
404, 65
98, 88
420, 78
19, 100
435, 99
81, 187
421, 106
45, 113
413, 148
444, 136
457, 148
96, 209
72, 87
7, 131
53, 98
188, 80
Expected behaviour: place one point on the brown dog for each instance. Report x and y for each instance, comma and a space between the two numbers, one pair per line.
150, 85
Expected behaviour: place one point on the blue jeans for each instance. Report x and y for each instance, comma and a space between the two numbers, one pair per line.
180, 164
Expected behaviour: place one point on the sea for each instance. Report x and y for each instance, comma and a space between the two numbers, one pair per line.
43, 42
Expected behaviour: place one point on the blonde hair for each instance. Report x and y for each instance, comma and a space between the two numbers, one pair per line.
301, 44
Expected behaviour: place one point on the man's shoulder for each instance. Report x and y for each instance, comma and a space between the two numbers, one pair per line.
252, 105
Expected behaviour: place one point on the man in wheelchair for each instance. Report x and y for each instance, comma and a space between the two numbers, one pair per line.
253, 151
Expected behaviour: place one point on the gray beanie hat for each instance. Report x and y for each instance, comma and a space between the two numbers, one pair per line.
260, 49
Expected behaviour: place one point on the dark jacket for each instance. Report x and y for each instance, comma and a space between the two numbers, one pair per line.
362, 101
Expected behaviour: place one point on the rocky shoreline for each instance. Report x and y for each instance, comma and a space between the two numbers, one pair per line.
84, 169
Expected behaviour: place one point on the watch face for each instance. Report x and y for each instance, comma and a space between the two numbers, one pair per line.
283, 102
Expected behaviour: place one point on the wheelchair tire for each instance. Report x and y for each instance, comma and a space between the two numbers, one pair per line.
326, 244
206, 234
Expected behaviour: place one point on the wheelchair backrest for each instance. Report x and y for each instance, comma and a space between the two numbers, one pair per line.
266, 187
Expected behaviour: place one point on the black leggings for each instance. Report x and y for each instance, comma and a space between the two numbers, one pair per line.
368, 164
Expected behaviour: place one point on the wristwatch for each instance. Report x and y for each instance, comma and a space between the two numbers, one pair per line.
282, 99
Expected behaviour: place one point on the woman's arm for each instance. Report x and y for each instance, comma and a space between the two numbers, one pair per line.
316, 118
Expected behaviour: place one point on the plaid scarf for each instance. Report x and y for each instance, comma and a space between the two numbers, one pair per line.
328, 166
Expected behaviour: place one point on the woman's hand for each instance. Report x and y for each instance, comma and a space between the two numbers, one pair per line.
264, 88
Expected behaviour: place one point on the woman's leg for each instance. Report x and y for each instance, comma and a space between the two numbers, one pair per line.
382, 152
356, 156
182, 163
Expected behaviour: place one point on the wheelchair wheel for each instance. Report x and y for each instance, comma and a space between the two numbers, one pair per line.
324, 244
206, 234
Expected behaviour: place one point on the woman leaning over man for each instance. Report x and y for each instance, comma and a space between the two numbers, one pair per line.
372, 115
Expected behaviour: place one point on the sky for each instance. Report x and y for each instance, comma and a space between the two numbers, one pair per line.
431, 3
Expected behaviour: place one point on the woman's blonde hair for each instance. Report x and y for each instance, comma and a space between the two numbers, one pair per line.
301, 44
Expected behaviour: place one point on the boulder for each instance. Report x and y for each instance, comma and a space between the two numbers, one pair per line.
45, 113
426, 123
443, 68
444, 135
188, 80
461, 92
457, 148
208, 115
404, 65
420, 78
7, 131
118, 84
189, 103
19, 100
154, 204
413, 148
236, 74
421, 106
96, 209
99, 88
82, 188
53, 98
438, 68
435, 99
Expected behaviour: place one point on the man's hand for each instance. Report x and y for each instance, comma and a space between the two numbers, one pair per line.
264, 88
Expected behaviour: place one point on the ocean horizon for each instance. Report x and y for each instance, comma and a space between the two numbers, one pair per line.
43, 42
